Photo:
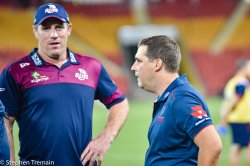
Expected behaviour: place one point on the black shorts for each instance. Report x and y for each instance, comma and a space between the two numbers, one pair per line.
240, 133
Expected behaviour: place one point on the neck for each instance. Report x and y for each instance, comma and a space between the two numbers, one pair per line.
163, 84
56, 60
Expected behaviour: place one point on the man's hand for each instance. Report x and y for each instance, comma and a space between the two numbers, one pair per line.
97, 148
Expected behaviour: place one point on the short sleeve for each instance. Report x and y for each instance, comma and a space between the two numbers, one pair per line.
10, 93
107, 91
191, 114
239, 90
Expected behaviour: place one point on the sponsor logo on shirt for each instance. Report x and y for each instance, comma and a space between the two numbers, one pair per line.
82, 75
36, 59
22, 65
72, 57
2, 89
202, 120
38, 78
51, 9
198, 112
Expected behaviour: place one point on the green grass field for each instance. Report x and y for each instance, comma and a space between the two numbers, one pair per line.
130, 146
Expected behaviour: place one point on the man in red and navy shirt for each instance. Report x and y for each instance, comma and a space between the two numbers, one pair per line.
51, 92
181, 132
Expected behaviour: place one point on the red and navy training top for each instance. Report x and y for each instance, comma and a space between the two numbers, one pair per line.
53, 106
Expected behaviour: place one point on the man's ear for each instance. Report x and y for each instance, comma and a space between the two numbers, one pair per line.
70, 29
158, 64
35, 31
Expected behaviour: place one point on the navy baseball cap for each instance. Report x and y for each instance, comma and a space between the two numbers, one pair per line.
50, 10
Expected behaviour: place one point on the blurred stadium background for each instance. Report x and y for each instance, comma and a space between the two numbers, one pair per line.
212, 34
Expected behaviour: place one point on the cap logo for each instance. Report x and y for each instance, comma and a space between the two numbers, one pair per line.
51, 9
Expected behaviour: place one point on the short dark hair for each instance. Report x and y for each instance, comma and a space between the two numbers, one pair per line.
164, 48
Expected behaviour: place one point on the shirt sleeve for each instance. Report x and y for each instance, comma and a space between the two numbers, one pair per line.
191, 114
239, 90
10, 93
107, 91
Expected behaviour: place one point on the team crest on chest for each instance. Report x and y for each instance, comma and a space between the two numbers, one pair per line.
82, 75
160, 117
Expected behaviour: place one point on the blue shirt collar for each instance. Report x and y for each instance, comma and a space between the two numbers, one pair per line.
39, 61
182, 79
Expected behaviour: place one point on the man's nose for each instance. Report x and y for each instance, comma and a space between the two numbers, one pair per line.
133, 67
53, 33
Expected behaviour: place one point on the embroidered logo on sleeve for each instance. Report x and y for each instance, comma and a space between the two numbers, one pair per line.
198, 112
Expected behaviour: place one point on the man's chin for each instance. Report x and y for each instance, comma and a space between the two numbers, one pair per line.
55, 55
